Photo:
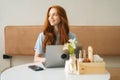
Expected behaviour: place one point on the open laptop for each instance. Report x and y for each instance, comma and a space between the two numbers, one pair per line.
53, 56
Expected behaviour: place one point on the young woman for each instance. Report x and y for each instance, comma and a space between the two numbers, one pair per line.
56, 32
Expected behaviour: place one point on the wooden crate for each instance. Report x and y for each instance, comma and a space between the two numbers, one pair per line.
91, 68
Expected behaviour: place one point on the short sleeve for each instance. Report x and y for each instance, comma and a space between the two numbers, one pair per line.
73, 36
38, 45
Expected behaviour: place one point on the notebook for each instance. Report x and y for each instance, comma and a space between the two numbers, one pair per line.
53, 56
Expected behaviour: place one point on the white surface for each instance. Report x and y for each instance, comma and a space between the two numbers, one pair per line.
22, 72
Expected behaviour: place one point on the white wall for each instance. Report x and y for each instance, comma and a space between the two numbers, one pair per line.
32, 12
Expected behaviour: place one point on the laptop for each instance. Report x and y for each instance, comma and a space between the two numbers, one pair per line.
53, 56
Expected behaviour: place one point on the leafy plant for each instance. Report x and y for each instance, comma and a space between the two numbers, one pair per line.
70, 46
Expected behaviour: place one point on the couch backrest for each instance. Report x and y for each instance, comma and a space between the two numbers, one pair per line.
105, 40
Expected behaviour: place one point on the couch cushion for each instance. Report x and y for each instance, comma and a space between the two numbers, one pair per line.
20, 40
105, 40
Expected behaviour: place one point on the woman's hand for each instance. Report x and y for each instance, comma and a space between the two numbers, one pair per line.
39, 58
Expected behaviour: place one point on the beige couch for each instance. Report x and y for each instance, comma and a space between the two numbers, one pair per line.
105, 40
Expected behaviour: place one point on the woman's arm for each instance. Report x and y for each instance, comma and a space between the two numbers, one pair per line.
38, 49
39, 57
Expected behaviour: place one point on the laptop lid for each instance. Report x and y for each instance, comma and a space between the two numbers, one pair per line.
53, 56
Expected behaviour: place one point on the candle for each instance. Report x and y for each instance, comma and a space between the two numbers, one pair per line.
80, 56
84, 54
90, 53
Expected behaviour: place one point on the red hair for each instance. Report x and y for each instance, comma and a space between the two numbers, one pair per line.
50, 37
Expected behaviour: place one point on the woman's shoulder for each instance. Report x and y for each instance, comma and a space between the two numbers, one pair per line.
71, 34
41, 34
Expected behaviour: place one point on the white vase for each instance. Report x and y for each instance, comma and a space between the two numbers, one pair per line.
70, 65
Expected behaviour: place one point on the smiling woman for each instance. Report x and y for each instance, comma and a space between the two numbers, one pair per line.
56, 32
54, 18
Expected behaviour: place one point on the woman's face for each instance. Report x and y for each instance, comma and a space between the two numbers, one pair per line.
53, 18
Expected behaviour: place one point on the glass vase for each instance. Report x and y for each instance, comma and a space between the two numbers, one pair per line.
72, 65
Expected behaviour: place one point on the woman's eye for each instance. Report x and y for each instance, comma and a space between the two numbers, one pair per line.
52, 15
55, 14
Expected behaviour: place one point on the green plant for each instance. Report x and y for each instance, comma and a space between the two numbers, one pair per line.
70, 46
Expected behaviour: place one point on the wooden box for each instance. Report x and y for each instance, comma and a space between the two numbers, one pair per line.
91, 68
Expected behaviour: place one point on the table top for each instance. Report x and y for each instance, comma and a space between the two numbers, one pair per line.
22, 72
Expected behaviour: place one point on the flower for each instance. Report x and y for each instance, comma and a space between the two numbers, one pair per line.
70, 46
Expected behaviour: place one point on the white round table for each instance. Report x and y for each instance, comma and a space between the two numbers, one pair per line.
22, 72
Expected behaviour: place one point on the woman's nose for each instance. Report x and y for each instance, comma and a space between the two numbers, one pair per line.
51, 17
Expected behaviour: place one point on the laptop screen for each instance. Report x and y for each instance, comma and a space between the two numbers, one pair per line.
53, 56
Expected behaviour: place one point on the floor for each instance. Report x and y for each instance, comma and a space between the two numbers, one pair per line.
114, 73
113, 66
112, 61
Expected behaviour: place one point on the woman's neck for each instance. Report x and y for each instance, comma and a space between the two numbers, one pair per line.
56, 30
